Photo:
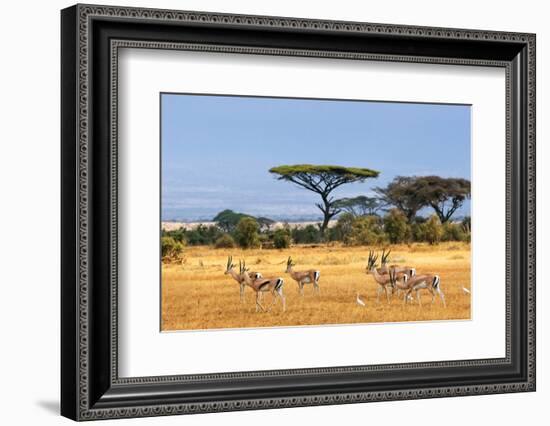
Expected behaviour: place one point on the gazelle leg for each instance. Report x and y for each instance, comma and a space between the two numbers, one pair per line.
387, 294
258, 304
242, 293
283, 300
442, 296
380, 290
316, 287
275, 295
418, 297
301, 285
407, 295
278, 294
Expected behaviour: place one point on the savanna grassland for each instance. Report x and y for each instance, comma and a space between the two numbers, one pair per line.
197, 295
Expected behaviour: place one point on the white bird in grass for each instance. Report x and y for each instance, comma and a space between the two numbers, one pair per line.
465, 290
359, 301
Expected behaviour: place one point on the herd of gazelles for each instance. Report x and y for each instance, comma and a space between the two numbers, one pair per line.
390, 279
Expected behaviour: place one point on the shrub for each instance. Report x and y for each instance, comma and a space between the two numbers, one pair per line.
366, 230
453, 232
433, 230
281, 238
225, 241
177, 234
202, 235
396, 226
246, 233
170, 248
418, 231
343, 229
310, 234
467, 228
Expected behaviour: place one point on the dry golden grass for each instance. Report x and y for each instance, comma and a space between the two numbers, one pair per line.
197, 294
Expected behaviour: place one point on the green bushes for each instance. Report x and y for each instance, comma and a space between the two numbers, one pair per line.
396, 227
281, 238
225, 241
170, 248
343, 229
309, 234
202, 235
246, 233
454, 232
366, 230
432, 230
349, 229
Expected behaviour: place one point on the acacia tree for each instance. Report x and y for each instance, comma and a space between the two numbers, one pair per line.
402, 192
323, 180
444, 195
360, 206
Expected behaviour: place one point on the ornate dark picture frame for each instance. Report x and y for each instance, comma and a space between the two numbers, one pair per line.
91, 37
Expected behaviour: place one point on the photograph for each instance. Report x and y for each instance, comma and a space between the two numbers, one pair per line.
281, 212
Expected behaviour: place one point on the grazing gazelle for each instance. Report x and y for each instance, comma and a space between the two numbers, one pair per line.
310, 276
263, 285
429, 282
238, 277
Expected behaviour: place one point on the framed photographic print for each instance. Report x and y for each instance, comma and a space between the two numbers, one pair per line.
263, 212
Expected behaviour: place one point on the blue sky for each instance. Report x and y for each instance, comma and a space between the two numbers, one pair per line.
217, 150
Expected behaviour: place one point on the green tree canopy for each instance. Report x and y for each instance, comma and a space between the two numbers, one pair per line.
359, 206
402, 192
444, 195
411, 193
323, 179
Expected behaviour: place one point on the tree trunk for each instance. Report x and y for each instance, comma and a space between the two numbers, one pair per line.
326, 215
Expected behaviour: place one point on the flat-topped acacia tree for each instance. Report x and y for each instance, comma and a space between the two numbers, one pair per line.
322, 180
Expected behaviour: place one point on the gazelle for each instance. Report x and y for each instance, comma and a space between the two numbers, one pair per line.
238, 277
395, 269
310, 276
429, 282
383, 280
263, 285
385, 269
